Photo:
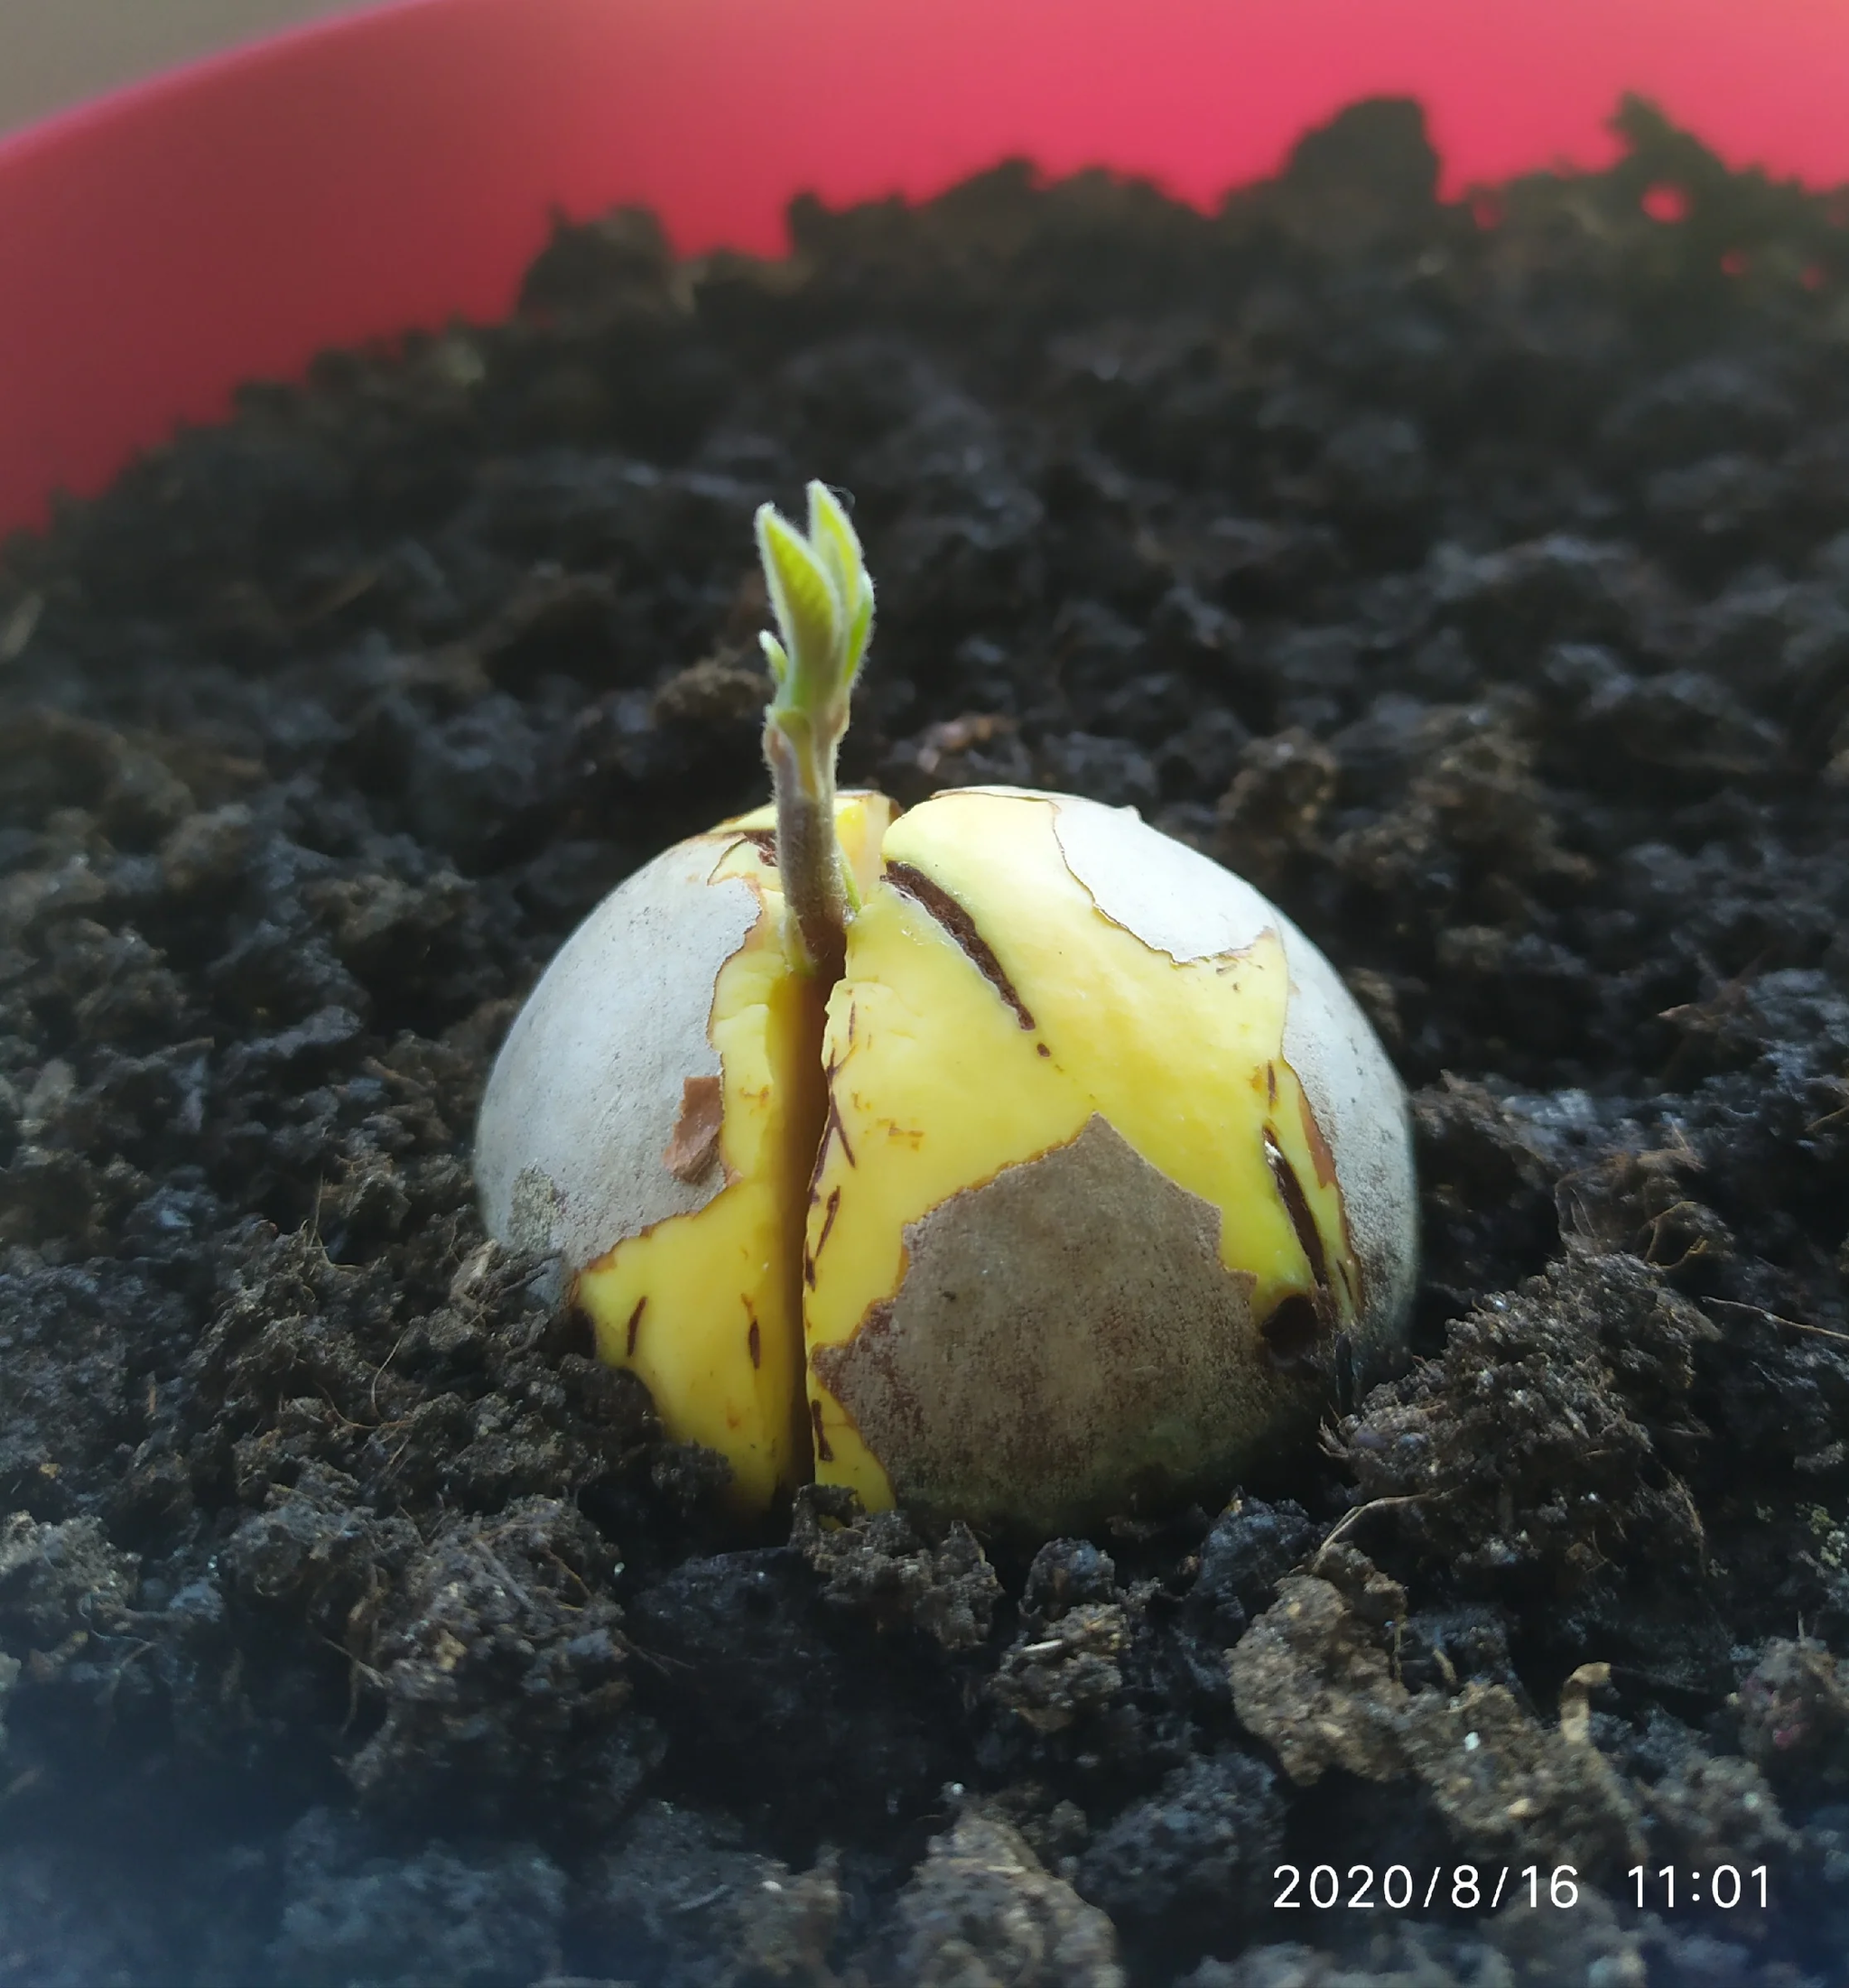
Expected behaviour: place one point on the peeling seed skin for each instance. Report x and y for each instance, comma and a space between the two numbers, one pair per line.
666, 1162
1065, 1343
1088, 1185
690, 1154
1353, 1095
1351, 1107
1168, 1019
588, 1089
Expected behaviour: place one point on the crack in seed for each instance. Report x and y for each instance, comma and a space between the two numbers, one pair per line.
832, 1209
832, 1129
934, 899
1296, 1206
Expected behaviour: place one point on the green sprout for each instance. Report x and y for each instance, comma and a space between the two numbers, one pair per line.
824, 603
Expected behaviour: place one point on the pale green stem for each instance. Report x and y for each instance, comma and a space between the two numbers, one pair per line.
809, 853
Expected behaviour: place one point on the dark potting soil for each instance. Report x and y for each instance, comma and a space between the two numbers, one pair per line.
1475, 577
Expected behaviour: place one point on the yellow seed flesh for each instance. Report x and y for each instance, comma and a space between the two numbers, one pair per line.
677, 1305
936, 1086
921, 1081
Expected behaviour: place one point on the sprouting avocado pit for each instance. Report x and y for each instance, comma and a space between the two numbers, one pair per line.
1044, 1168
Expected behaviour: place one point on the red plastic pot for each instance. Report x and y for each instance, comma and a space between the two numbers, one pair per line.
391, 167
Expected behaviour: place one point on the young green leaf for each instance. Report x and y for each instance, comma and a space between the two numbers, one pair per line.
807, 607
